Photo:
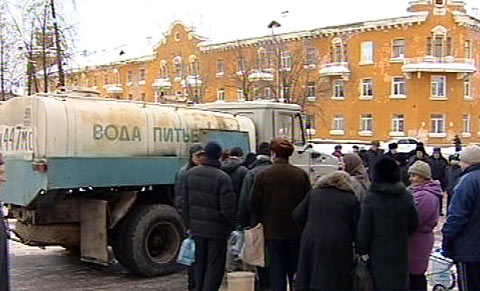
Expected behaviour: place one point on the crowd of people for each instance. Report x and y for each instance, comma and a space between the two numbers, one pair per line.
381, 207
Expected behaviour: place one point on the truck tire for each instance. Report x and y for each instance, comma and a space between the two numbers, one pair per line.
148, 239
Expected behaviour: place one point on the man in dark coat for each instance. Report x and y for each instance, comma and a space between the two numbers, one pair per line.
209, 211
439, 165
454, 172
371, 157
461, 231
329, 215
234, 168
245, 217
388, 216
276, 193
197, 155
4, 277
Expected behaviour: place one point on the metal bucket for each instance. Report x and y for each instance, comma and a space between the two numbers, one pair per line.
241, 281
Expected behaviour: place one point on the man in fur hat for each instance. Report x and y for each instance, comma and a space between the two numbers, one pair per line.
276, 192
461, 232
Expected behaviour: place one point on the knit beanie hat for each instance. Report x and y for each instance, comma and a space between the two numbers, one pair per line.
195, 149
213, 150
470, 155
422, 169
264, 149
282, 147
236, 152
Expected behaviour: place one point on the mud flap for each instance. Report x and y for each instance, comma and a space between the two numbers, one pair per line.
93, 231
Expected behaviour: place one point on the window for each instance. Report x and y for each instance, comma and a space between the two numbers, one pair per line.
438, 86
311, 89
467, 89
366, 53
106, 79
194, 67
398, 123
241, 64
129, 76
221, 94
163, 69
439, 2
311, 56
338, 51
177, 62
398, 48
220, 67
367, 88
240, 96
439, 46
339, 89
398, 86
467, 49
285, 61
338, 122
437, 123
142, 75
366, 122
466, 124
263, 59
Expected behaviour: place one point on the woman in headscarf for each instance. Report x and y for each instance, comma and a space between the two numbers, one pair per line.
328, 215
353, 165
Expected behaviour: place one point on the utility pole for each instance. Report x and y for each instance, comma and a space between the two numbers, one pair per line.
272, 25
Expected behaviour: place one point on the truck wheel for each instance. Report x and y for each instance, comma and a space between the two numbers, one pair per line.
148, 239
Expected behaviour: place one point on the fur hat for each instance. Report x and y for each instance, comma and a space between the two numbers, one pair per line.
236, 152
392, 146
470, 155
375, 143
422, 169
386, 170
264, 149
282, 147
195, 149
338, 179
213, 150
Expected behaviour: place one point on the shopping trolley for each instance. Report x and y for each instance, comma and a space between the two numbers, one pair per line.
442, 275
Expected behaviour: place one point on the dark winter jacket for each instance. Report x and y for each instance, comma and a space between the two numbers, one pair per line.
245, 218
209, 205
276, 192
4, 276
329, 217
178, 177
370, 158
461, 232
453, 174
426, 197
233, 167
438, 167
388, 216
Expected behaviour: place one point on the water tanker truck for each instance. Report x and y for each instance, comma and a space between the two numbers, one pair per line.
89, 173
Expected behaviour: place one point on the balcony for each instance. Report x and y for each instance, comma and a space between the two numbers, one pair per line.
335, 69
260, 76
430, 64
191, 81
113, 88
162, 83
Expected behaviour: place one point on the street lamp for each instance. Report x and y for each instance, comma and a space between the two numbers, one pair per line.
272, 25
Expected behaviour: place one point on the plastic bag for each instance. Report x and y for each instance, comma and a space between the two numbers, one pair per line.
236, 242
186, 255
253, 251
362, 276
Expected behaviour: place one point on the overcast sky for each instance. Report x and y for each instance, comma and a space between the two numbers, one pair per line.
103, 24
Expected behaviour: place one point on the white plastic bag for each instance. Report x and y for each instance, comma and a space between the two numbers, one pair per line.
186, 255
253, 251
236, 242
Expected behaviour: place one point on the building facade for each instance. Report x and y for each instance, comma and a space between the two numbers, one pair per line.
413, 76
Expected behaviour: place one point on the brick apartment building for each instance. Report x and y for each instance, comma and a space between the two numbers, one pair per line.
408, 76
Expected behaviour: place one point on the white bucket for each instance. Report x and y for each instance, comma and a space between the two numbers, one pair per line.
241, 281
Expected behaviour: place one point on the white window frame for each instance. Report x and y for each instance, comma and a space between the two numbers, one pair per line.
398, 49
311, 57
311, 90
398, 125
286, 61
338, 125
438, 87
366, 89
338, 90
398, 88
466, 125
467, 89
220, 68
437, 125
338, 54
366, 53
366, 122
221, 94
467, 47
240, 96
